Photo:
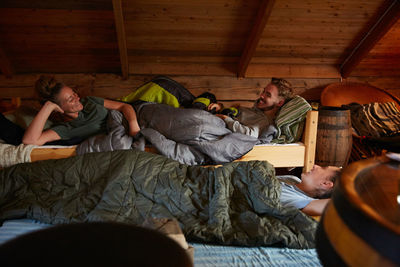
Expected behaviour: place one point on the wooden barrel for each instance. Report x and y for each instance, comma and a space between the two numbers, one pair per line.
334, 137
361, 224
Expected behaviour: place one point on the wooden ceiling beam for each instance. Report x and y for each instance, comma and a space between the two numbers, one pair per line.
64, 4
382, 25
120, 28
263, 15
5, 64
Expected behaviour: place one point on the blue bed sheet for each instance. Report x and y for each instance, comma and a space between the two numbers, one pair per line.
204, 255
221, 256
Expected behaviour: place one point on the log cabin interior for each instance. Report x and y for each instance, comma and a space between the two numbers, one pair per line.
231, 48
107, 48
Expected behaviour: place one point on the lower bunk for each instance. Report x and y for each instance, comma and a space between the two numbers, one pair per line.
236, 204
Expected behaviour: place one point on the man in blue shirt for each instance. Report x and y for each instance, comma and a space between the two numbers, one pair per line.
312, 193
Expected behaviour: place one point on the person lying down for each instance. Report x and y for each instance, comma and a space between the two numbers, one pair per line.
81, 118
310, 194
191, 136
237, 203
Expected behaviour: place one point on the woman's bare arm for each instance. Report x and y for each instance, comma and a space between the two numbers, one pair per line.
129, 114
34, 134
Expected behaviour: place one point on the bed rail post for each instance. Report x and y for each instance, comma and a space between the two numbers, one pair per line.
310, 139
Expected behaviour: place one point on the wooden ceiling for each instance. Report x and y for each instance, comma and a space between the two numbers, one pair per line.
264, 38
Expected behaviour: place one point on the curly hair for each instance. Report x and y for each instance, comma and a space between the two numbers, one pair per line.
284, 88
48, 88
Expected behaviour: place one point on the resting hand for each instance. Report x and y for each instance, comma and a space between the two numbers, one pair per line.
129, 114
134, 128
221, 116
34, 134
217, 107
53, 107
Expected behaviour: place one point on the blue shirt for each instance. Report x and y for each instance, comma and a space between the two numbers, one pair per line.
291, 196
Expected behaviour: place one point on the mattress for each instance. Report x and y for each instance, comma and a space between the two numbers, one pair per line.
205, 255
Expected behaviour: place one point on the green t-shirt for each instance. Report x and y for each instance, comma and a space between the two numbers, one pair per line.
91, 120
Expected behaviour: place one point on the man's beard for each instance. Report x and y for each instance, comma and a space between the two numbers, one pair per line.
265, 108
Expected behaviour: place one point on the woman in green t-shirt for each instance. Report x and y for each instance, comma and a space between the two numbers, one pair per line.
85, 117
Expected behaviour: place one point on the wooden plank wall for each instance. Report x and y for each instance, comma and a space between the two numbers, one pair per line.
59, 40
228, 90
302, 39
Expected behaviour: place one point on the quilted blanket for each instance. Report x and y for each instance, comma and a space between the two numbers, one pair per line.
236, 204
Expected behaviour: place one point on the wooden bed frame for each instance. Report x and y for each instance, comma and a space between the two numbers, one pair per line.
301, 154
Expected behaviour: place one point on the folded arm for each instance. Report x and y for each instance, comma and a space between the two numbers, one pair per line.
34, 134
315, 207
236, 127
129, 114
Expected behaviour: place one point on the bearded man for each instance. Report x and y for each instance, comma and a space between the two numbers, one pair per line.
252, 121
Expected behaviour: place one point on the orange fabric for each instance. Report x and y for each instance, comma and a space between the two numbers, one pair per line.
338, 94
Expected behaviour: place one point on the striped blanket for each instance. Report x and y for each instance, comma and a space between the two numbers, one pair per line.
290, 120
375, 119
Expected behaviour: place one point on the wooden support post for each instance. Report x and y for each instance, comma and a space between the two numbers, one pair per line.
120, 28
310, 137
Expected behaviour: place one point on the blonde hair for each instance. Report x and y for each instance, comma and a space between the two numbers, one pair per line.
48, 89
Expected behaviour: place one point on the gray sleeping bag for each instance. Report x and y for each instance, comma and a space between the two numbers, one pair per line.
191, 136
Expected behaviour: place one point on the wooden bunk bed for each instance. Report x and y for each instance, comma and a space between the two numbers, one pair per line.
300, 154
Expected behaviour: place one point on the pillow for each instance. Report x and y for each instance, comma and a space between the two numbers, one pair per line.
375, 119
24, 115
290, 120
289, 179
